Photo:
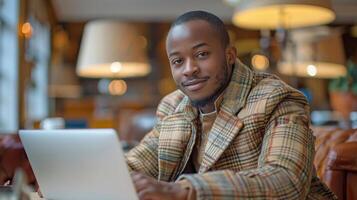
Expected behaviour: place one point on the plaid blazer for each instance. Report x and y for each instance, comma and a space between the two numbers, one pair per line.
260, 145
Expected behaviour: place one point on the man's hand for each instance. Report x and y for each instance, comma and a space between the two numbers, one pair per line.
149, 188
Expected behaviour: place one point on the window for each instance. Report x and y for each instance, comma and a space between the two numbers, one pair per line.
9, 12
38, 52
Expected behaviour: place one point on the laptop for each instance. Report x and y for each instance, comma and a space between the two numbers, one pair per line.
81, 164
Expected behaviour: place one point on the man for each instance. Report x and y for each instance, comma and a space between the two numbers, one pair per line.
228, 132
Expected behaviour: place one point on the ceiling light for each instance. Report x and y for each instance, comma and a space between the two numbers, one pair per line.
112, 49
316, 52
273, 14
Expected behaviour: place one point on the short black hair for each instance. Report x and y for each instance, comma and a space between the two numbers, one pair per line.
212, 19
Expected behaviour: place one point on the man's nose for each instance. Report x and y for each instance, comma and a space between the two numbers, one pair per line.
191, 68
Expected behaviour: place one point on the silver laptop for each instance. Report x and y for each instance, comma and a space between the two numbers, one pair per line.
80, 164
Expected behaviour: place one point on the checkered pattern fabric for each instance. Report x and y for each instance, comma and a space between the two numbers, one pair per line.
260, 145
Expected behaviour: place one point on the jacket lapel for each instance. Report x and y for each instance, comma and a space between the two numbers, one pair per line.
176, 140
227, 124
224, 130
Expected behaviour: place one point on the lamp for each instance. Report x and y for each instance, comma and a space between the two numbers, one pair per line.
273, 14
112, 49
314, 52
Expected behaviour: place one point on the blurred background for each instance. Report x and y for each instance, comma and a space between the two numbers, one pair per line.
56, 56
102, 64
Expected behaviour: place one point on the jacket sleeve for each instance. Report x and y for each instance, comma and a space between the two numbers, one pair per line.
285, 164
144, 157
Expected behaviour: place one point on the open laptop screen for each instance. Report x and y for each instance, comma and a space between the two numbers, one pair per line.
78, 164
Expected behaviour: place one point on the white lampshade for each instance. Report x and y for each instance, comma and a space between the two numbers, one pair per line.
112, 49
314, 52
273, 14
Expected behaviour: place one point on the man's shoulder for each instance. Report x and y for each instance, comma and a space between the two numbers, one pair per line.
268, 91
271, 85
170, 102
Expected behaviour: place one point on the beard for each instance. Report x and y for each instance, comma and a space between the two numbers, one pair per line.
223, 83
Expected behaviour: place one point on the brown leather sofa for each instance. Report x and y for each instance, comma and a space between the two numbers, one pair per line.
13, 156
335, 159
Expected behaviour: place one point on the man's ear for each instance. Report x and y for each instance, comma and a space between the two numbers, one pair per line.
231, 54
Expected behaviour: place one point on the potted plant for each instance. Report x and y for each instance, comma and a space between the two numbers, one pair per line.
343, 91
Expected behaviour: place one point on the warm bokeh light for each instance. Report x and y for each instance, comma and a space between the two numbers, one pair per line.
311, 70
26, 30
260, 62
117, 87
115, 67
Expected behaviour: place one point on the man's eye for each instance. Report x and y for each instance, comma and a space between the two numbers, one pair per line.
202, 54
176, 61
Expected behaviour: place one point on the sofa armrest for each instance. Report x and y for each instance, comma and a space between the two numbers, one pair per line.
343, 157
13, 156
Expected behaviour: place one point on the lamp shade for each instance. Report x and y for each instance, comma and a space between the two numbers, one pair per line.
273, 14
314, 52
112, 49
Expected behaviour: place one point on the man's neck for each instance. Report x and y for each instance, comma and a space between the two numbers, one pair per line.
209, 107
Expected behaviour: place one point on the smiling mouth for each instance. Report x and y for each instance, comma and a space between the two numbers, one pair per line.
195, 84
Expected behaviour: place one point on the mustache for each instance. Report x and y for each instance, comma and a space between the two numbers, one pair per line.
193, 80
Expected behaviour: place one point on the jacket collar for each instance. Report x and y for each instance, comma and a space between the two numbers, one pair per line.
238, 89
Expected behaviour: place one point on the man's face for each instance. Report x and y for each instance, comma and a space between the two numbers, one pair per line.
200, 64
